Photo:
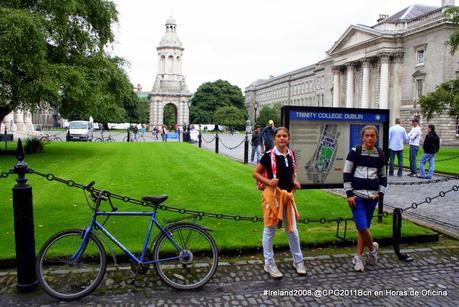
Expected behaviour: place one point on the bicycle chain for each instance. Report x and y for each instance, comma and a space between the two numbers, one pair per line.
199, 214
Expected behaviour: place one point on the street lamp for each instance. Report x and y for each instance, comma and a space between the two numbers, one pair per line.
255, 107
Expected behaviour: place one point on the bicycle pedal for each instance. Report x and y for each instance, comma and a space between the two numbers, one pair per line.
141, 269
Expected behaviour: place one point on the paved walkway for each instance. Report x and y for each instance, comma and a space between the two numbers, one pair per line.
441, 214
432, 279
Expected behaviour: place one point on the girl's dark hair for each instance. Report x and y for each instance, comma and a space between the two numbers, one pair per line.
281, 128
369, 127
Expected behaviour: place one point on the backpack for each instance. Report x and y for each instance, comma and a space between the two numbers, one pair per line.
260, 185
381, 159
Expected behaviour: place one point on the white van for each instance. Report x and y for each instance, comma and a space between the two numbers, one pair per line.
80, 130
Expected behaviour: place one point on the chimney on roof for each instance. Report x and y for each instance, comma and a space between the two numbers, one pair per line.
382, 17
138, 88
447, 3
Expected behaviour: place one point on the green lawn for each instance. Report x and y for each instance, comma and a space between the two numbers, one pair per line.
448, 166
193, 178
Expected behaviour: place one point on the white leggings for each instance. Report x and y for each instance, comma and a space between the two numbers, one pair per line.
293, 242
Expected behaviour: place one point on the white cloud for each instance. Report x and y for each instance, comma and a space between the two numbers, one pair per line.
240, 41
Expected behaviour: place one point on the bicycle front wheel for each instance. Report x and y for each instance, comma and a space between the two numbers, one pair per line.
69, 268
187, 256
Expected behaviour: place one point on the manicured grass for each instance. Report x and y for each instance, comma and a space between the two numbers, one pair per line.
448, 166
193, 178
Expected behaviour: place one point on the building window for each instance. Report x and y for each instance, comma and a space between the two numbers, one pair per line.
419, 88
420, 57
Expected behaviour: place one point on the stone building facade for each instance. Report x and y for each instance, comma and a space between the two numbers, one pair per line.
169, 86
388, 66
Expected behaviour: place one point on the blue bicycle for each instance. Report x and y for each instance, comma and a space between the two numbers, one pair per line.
72, 263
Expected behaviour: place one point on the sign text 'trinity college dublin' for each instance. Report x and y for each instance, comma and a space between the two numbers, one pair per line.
338, 116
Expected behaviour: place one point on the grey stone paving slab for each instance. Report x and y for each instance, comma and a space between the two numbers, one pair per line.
329, 282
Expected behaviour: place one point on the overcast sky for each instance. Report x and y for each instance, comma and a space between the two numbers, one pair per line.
240, 41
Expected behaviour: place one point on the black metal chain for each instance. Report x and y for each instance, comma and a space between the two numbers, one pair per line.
440, 160
202, 138
430, 181
6, 174
234, 147
196, 213
428, 200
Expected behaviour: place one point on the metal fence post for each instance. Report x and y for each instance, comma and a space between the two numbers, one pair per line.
23, 226
216, 142
200, 139
380, 208
397, 235
246, 149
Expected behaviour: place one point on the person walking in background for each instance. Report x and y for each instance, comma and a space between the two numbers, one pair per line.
142, 130
135, 130
164, 133
256, 144
364, 178
431, 146
267, 134
397, 136
414, 137
277, 171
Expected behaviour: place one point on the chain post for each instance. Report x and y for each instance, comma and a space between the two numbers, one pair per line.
128, 138
380, 208
246, 148
397, 235
23, 226
216, 142
200, 139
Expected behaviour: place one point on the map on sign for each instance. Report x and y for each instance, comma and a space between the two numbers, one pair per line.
322, 137
320, 163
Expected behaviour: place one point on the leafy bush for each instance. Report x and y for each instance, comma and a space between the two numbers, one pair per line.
33, 145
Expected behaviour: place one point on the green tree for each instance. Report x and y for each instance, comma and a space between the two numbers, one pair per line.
453, 41
270, 113
170, 115
137, 109
211, 96
445, 97
230, 116
52, 54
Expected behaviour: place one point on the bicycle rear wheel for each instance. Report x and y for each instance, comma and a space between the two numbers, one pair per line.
193, 265
68, 269
99, 140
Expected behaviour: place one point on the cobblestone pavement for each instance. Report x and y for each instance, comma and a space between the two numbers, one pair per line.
432, 279
441, 214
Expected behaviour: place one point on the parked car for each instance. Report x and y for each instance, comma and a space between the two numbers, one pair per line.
80, 130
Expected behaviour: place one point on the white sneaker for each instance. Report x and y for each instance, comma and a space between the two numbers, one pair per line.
373, 255
299, 267
358, 263
273, 270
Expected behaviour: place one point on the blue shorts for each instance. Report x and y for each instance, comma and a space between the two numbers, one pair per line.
363, 212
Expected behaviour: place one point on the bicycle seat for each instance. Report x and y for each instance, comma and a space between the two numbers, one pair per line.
155, 200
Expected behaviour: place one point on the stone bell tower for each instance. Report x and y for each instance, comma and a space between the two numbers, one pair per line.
169, 86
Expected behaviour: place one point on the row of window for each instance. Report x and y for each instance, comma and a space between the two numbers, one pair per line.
296, 89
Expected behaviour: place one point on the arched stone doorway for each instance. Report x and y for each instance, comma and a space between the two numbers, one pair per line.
158, 109
170, 115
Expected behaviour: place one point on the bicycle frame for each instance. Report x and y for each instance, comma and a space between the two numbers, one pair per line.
138, 260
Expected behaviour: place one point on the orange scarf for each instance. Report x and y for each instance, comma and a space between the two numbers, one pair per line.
274, 200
